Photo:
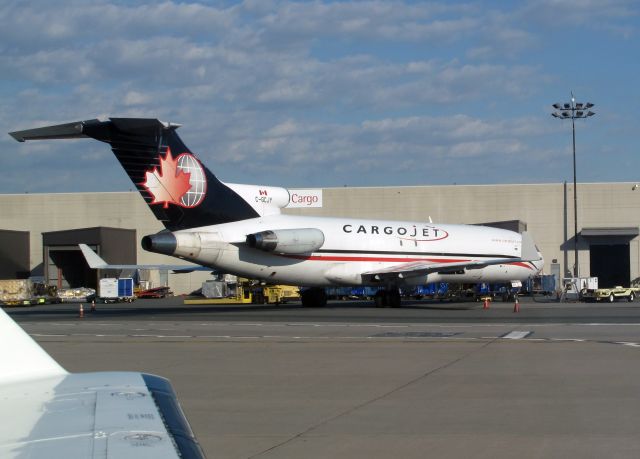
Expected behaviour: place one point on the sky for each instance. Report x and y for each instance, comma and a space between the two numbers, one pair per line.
326, 94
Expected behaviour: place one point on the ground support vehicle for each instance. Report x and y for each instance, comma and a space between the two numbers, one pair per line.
237, 293
573, 287
25, 292
338, 293
114, 290
433, 290
363, 293
351, 293
156, 292
276, 294
508, 291
610, 294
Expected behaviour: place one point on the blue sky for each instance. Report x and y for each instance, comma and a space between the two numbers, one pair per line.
322, 94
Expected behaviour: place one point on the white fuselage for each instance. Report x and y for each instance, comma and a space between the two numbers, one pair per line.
355, 246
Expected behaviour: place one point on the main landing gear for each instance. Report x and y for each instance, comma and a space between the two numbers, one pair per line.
314, 298
389, 298
385, 298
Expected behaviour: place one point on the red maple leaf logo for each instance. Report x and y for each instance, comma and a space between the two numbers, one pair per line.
168, 184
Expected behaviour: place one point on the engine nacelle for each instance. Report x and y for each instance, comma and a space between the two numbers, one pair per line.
202, 247
290, 241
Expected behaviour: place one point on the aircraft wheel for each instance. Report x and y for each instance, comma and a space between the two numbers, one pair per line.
394, 298
380, 300
314, 298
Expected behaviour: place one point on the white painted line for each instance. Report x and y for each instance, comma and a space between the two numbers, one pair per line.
517, 334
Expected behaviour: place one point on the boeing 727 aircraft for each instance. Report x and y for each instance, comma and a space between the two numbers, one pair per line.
239, 229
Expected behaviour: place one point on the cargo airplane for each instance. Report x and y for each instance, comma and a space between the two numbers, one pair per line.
239, 229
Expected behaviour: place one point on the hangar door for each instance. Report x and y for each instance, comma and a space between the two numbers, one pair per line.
610, 263
609, 254
65, 267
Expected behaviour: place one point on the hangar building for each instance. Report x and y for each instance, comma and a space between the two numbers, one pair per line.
39, 233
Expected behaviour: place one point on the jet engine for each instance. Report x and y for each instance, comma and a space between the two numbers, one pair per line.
290, 241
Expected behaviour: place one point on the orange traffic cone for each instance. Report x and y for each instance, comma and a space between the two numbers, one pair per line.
516, 305
93, 306
81, 312
485, 305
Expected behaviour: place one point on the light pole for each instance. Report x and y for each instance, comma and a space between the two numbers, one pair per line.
574, 110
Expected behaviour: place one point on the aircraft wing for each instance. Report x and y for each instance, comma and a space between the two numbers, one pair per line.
529, 253
49, 412
96, 262
416, 269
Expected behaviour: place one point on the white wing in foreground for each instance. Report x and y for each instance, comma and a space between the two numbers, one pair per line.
48, 412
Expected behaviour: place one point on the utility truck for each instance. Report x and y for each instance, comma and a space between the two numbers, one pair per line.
610, 294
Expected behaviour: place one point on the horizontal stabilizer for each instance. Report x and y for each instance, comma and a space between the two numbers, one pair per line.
147, 148
59, 131
96, 262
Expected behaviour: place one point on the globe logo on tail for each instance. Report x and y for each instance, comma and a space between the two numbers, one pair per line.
180, 181
190, 165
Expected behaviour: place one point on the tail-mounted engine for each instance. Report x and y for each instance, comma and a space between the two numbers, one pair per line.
289, 241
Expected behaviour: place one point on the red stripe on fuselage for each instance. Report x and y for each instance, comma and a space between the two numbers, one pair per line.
381, 259
390, 259
523, 264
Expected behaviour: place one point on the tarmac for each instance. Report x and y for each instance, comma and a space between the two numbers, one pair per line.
351, 381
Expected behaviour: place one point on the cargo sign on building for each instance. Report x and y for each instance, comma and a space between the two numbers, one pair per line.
305, 198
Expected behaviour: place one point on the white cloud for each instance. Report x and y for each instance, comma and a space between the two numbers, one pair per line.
262, 87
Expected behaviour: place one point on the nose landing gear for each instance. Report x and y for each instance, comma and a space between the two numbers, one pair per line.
388, 298
314, 298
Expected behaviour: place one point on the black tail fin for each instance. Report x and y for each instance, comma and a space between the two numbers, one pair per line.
181, 192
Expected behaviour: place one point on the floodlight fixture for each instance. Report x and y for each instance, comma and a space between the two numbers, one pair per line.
574, 110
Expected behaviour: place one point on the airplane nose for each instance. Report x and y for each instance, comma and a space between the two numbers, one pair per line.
164, 243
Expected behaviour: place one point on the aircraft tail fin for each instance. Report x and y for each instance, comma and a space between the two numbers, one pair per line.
179, 189
21, 358
529, 250
93, 259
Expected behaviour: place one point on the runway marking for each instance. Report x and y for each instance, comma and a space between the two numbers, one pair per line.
517, 334
425, 336
416, 334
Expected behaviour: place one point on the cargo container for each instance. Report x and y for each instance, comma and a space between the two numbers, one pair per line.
25, 292
543, 284
112, 290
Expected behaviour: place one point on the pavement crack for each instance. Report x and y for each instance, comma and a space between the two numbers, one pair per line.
359, 406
